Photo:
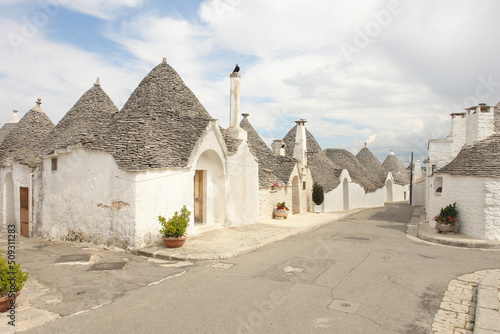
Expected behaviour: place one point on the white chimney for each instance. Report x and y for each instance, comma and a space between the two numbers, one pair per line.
278, 147
234, 129
299, 151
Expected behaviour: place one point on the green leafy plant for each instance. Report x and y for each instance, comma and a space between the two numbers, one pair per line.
318, 196
176, 226
12, 278
281, 206
448, 215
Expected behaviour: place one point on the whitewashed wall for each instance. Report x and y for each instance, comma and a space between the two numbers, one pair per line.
268, 199
87, 198
418, 194
478, 204
479, 126
242, 197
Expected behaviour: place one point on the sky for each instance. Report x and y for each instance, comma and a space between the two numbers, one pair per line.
383, 72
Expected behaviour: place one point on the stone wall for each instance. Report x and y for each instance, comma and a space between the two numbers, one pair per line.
469, 194
87, 199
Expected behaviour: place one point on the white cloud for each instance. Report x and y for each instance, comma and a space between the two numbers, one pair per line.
104, 9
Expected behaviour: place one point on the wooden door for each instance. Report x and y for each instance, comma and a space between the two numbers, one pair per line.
198, 196
25, 212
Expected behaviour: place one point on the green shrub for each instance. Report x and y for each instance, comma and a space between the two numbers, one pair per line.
318, 195
12, 278
448, 215
176, 226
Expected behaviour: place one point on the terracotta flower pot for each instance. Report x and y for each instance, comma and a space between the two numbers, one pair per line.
280, 214
174, 242
5, 302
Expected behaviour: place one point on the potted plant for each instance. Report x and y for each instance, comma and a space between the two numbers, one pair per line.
12, 280
281, 211
318, 197
174, 230
447, 219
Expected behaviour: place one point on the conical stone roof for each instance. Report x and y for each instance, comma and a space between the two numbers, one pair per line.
163, 90
85, 123
372, 165
272, 168
346, 160
399, 173
9, 125
159, 125
24, 144
480, 159
323, 170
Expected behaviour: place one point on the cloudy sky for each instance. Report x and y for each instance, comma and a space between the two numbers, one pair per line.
385, 72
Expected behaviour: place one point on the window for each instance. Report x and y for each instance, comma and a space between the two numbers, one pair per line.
304, 185
54, 164
438, 185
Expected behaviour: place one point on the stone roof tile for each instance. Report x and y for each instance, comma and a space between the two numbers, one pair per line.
24, 143
272, 168
86, 123
372, 165
480, 159
323, 170
399, 173
346, 160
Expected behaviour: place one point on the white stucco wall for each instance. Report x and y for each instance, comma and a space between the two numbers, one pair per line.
418, 194
478, 204
440, 151
242, 197
479, 126
269, 198
88, 198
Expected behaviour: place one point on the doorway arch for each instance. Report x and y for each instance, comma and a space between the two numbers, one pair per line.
10, 208
209, 190
345, 188
388, 187
295, 195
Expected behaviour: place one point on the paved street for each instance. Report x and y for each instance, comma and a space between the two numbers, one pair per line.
360, 274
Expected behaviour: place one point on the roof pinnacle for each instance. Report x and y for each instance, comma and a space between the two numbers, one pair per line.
97, 83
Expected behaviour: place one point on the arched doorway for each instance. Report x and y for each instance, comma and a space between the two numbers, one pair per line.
10, 209
345, 189
388, 187
209, 190
295, 195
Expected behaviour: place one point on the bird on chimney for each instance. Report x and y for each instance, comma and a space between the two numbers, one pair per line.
236, 69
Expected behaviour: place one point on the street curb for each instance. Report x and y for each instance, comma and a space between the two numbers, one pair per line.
449, 241
488, 305
262, 243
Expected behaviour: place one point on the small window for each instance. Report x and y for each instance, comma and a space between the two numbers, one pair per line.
304, 185
438, 185
54, 164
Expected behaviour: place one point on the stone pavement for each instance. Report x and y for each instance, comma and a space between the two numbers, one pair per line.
471, 303
233, 241
62, 290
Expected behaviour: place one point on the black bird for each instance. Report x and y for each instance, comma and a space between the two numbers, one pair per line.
236, 69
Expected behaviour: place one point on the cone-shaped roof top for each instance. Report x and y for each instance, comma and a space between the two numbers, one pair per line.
399, 173
86, 122
24, 144
346, 160
372, 164
480, 159
272, 168
163, 90
159, 125
9, 125
323, 170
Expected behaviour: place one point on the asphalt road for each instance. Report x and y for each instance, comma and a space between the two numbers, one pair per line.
361, 274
